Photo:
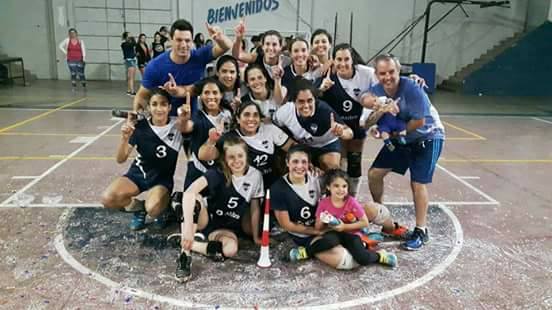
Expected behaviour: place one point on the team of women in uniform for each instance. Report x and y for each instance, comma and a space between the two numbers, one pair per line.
288, 123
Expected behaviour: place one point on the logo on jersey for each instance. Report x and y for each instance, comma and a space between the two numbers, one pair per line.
246, 186
356, 91
312, 193
314, 127
265, 144
170, 136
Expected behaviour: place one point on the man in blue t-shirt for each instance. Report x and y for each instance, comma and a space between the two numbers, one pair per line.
181, 65
425, 136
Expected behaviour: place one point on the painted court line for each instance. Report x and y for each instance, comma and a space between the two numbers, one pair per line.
81, 139
64, 110
24, 177
34, 118
387, 203
469, 178
541, 120
58, 164
477, 190
436, 271
471, 133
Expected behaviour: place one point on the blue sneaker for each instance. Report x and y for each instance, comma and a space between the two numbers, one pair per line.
138, 221
416, 240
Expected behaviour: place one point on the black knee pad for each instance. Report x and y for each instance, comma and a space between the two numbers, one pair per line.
328, 241
176, 205
214, 251
354, 164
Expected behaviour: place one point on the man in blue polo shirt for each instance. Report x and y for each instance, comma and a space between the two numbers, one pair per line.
183, 62
425, 137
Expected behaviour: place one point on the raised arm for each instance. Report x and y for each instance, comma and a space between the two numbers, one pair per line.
280, 91
237, 51
124, 148
185, 123
222, 42
141, 99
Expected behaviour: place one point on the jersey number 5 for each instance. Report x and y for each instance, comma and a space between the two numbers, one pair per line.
232, 202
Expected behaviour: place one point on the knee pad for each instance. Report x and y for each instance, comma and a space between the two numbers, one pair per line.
354, 164
176, 205
214, 251
383, 214
347, 262
327, 242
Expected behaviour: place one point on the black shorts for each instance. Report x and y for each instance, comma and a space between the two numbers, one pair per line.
145, 182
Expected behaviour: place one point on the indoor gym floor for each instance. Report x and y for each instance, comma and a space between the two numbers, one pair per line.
490, 218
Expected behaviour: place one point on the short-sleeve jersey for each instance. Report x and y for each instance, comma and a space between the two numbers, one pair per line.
268, 106
261, 148
158, 69
290, 75
202, 123
414, 104
157, 148
313, 131
300, 201
227, 203
349, 213
345, 96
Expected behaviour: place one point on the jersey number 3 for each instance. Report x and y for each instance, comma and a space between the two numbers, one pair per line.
161, 151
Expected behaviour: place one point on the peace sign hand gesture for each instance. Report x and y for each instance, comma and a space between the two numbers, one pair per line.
236, 101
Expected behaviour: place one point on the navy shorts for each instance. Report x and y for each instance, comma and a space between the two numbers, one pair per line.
420, 157
212, 226
137, 177
192, 174
317, 152
301, 241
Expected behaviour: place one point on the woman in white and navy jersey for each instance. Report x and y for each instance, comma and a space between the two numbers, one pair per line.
261, 138
321, 46
300, 64
230, 210
157, 140
228, 73
313, 122
343, 91
294, 198
212, 119
267, 55
267, 93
